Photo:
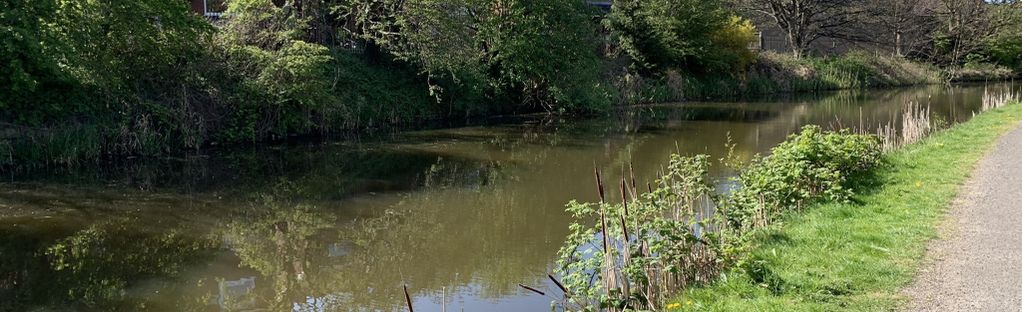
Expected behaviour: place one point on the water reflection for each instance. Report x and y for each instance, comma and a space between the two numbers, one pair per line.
459, 215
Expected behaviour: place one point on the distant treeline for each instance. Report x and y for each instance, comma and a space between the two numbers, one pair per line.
86, 79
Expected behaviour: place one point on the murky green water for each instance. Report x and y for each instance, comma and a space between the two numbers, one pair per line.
459, 215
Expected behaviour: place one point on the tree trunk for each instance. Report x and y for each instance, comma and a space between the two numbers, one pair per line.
897, 44
798, 48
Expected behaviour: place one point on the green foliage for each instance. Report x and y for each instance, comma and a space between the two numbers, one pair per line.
732, 45
282, 83
262, 24
149, 77
695, 36
121, 68
544, 51
299, 75
647, 244
375, 95
811, 165
31, 81
784, 73
65, 145
1005, 46
659, 243
122, 46
771, 73
112, 51
535, 53
857, 255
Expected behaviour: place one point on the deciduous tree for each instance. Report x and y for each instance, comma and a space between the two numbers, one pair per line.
904, 25
805, 21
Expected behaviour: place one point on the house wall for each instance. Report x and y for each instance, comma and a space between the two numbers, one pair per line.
773, 39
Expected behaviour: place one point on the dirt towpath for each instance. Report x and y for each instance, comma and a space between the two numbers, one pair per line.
976, 265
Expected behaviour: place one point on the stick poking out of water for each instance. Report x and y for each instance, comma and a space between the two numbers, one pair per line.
559, 285
408, 299
532, 290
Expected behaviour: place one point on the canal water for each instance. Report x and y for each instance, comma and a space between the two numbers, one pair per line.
461, 215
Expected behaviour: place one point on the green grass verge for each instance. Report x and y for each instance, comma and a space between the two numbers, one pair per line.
856, 256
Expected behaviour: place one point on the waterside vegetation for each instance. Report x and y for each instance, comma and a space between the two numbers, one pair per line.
84, 80
874, 243
869, 201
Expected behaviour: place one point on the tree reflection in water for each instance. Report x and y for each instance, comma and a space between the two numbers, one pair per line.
473, 211
273, 237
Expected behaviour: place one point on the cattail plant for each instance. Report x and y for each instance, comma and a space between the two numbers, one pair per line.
915, 123
915, 126
992, 100
644, 248
888, 134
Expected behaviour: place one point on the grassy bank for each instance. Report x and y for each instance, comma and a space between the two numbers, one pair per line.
773, 73
976, 72
856, 255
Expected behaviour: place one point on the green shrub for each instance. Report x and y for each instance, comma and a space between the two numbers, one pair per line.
731, 46
297, 78
1005, 46
531, 54
32, 82
690, 35
809, 166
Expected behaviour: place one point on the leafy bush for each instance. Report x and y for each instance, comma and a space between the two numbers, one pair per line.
128, 48
677, 34
59, 52
31, 80
536, 54
809, 166
297, 78
543, 52
261, 23
1005, 46
632, 255
731, 45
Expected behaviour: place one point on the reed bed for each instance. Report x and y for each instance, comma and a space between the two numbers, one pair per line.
992, 100
916, 124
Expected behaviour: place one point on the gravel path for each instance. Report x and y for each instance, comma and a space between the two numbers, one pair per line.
977, 263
